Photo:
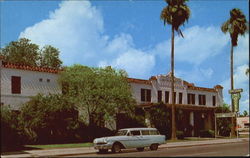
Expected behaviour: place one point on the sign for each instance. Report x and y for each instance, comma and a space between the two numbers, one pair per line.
220, 115
235, 95
235, 91
236, 98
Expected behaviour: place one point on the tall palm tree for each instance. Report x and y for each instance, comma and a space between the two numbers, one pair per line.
236, 25
176, 13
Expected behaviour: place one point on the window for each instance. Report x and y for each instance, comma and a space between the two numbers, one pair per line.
180, 98
159, 96
154, 132
145, 132
191, 98
48, 80
167, 97
146, 95
15, 85
40, 80
135, 133
214, 100
202, 99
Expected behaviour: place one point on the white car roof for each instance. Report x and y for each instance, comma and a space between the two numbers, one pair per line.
131, 129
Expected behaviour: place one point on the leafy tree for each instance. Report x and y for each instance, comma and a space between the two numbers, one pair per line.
160, 118
223, 124
245, 113
21, 52
247, 71
48, 119
49, 57
176, 13
26, 53
10, 137
97, 91
236, 25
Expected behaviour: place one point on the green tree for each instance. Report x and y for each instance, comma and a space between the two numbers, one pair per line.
236, 25
48, 119
245, 113
49, 57
247, 71
176, 13
97, 91
21, 52
160, 118
10, 138
224, 125
26, 53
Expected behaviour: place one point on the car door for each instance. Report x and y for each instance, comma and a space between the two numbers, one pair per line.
136, 138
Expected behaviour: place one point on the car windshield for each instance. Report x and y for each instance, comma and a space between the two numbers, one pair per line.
121, 133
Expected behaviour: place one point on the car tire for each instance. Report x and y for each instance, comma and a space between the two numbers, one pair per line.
103, 150
140, 149
154, 147
116, 148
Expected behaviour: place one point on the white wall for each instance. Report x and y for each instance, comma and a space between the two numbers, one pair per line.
30, 85
160, 85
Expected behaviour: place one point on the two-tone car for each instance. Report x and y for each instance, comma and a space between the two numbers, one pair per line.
138, 138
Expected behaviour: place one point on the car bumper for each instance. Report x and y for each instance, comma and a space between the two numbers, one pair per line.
103, 146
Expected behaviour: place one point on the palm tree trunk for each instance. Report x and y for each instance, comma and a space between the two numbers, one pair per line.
232, 87
173, 136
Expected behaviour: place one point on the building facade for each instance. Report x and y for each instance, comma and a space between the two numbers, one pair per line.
197, 104
19, 83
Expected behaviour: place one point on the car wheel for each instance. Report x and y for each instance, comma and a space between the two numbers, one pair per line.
116, 148
154, 147
103, 150
140, 149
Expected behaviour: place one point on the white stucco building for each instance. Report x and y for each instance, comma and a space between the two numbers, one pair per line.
19, 83
197, 103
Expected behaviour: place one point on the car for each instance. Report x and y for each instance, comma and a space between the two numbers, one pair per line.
138, 138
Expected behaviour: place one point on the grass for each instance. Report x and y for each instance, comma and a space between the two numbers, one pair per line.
188, 139
50, 146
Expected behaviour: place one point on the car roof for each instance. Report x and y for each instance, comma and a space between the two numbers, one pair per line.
138, 129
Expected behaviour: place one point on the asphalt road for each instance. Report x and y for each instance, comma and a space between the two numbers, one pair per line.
230, 149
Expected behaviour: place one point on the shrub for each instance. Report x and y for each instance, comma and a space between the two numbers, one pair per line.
180, 134
207, 133
10, 137
48, 119
160, 117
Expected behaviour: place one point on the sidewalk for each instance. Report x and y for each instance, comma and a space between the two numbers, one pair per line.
88, 150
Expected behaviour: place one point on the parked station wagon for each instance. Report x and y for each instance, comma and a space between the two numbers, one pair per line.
138, 138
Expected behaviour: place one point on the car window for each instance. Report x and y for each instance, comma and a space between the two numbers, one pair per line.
121, 133
145, 132
154, 132
135, 133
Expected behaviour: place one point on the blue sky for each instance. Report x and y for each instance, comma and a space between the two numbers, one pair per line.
130, 35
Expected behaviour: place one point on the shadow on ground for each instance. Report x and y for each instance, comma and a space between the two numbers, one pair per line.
16, 150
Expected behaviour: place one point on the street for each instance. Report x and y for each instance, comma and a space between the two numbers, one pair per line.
230, 149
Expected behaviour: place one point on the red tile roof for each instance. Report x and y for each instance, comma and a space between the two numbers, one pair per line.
201, 89
31, 68
140, 81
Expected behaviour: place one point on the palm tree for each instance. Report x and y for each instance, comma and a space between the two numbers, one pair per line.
236, 25
247, 71
176, 13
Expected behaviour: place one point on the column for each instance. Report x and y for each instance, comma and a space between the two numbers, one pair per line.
191, 121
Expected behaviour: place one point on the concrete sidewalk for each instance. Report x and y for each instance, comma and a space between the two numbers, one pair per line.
88, 150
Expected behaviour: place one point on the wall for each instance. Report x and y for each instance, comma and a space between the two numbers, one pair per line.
30, 85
